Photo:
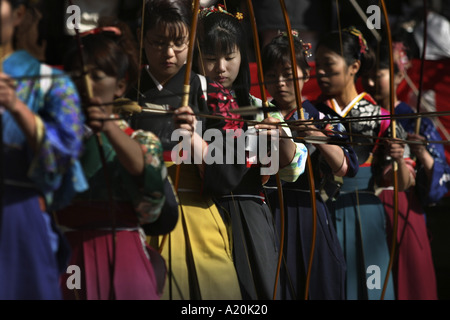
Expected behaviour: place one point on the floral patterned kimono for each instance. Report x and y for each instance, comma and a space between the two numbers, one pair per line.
33, 253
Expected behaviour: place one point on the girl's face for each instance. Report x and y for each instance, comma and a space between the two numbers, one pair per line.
105, 87
281, 86
165, 56
334, 76
223, 68
10, 18
376, 83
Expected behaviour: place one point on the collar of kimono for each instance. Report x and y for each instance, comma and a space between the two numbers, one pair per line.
343, 112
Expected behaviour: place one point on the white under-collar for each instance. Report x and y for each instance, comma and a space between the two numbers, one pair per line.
343, 112
158, 84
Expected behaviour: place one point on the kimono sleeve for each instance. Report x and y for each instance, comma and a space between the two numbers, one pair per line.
296, 167
147, 194
55, 166
431, 191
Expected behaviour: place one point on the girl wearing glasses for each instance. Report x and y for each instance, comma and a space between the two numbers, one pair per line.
198, 250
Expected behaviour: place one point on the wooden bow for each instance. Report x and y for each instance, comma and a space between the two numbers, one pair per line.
422, 64
265, 105
187, 75
298, 97
184, 102
394, 164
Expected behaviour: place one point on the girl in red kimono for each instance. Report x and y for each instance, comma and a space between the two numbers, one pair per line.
125, 176
413, 270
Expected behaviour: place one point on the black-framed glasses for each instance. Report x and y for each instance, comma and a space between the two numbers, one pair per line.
177, 45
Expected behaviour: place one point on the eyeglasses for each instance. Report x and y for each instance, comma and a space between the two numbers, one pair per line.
177, 46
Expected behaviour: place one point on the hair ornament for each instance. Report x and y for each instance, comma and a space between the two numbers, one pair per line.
99, 30
220, 8
285, 34
306, 45
400, 56
362, 42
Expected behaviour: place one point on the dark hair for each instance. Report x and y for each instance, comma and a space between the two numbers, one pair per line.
382, 55
116, 55
16, 3
173, 15
278, 51
349, 47
221, 33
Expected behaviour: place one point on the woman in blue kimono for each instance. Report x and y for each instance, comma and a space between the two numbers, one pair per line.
42, 139
338, 159
358, 213
413, 271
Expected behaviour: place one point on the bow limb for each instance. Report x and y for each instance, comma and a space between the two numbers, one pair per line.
266, 104
141, 48
184, 102
394, 164
301, 115
89, 93
187, 75
422, 63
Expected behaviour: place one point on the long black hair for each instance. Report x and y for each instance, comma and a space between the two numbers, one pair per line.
221, 33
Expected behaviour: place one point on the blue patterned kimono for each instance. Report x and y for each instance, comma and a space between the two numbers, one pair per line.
429, 192
31, 250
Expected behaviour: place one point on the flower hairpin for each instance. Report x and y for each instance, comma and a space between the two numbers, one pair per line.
400, 56
362, 42
306, 49
204, 12
285, 34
